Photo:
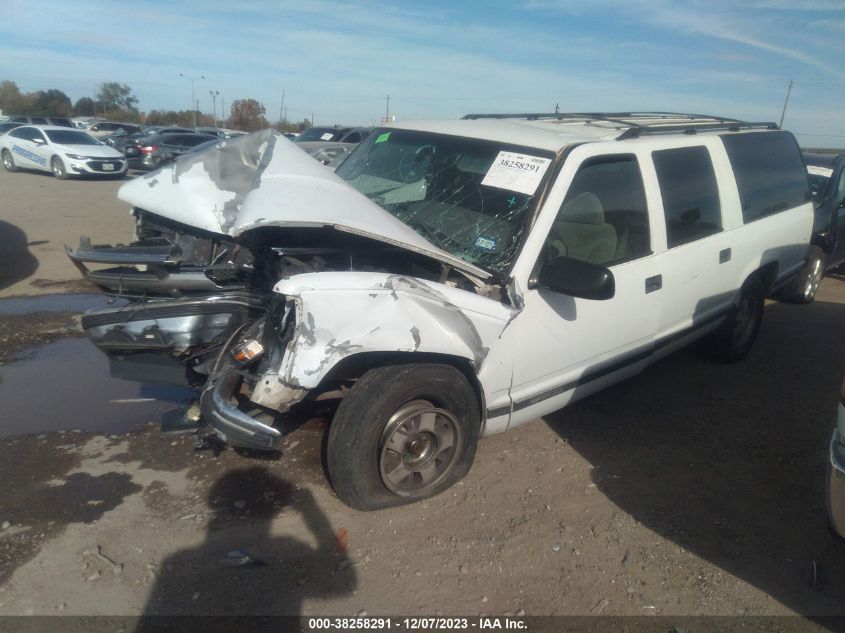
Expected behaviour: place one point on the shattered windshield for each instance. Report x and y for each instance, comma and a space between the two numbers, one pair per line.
469, 197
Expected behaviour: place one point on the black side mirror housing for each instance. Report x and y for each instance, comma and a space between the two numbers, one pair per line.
577, 278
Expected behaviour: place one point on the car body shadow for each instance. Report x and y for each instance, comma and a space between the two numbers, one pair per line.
728, 461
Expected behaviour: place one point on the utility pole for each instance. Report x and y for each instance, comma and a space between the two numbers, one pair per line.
214, 94
282, 109
223, 110
557, 109
387, 111
312, 119
193, 97
785, 101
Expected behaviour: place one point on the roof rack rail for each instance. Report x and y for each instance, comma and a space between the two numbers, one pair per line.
643, 123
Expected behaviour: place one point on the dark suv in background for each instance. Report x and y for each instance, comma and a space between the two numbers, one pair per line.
159, 149
826, 173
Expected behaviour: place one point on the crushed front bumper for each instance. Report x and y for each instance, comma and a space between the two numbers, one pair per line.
233, 425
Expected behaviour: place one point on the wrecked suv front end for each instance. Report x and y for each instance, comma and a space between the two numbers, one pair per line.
265, 280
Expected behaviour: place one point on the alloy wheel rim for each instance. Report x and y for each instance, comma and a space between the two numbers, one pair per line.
419, 448
57, 167
814, 279
745, 319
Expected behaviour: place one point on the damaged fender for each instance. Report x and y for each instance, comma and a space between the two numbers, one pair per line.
345, 313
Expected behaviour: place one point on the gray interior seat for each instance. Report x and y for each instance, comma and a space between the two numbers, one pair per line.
581, 232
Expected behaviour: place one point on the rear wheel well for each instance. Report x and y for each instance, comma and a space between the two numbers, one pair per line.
351, 368
767, 274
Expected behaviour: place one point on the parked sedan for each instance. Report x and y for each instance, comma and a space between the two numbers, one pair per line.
159, 149
836, 470
63, 151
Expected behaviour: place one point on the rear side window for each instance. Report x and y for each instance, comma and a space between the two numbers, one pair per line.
192, 140
690, 194
769, 170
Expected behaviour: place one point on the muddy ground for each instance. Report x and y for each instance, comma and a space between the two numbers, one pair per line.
692, 489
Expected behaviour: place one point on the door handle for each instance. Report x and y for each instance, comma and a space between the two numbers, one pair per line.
653, 283
724, 256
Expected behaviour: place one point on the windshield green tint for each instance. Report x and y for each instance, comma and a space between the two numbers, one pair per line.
433, 183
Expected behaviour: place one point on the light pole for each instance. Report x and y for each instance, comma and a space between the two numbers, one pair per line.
214, 94
193, 99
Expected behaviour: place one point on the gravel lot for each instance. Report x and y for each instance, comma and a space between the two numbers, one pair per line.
692, 489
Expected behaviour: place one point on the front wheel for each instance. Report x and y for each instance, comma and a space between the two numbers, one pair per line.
58, 168
733, 340
404, 433
803, 288
8, 161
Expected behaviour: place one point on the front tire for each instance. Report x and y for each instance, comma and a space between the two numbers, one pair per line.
803, 288
58, 168
404, 433
9, 162
733, 340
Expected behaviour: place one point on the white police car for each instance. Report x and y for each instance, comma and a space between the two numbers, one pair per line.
64, 151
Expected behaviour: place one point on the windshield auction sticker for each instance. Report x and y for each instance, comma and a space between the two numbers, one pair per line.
516, 172
819, 171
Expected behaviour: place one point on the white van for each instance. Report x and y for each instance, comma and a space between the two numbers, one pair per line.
452, 279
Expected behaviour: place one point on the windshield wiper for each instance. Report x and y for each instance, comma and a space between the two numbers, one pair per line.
428, 233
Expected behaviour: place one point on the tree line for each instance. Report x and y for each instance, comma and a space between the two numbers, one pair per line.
115, 101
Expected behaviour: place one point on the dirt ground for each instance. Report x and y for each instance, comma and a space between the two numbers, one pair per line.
692, 489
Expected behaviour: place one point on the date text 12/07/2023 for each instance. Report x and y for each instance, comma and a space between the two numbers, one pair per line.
490, 623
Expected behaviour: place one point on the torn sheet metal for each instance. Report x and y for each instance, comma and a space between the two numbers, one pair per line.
263, 179
344, 313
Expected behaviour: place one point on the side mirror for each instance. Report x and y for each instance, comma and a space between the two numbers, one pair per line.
39, 141
577, 278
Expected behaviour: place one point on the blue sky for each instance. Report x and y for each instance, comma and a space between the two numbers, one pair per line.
443, 59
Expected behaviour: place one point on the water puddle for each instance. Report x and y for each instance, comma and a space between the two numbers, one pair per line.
52, 303
66, 385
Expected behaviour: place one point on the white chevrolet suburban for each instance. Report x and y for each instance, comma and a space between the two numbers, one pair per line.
452, 279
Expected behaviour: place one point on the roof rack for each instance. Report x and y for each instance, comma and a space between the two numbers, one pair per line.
643, 123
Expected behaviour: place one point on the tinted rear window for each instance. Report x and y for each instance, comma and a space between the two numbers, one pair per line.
690, 194
769, 172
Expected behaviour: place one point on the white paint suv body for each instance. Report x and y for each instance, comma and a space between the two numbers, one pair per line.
673, 221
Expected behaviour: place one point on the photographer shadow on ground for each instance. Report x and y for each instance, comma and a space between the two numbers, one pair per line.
246, 565
17, 262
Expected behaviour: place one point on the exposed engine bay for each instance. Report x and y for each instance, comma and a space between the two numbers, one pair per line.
190, 303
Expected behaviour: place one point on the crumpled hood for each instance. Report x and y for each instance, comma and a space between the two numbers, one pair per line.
263, 179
